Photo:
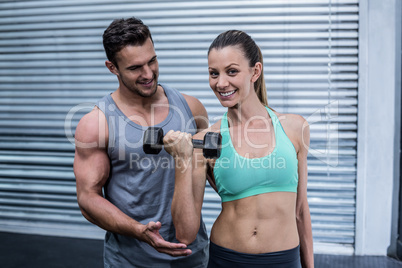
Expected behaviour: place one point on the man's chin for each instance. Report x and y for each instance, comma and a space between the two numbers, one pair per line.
147, 93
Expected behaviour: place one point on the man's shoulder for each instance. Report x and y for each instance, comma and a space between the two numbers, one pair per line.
89, 128
192, 101
198, 111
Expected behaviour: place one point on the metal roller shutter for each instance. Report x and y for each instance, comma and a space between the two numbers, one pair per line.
52, 59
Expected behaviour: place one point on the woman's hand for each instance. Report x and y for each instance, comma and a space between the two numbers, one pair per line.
178, 144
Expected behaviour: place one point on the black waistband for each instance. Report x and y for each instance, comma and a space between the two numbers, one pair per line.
224, 256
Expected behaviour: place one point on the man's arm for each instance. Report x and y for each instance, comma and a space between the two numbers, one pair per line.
91, 169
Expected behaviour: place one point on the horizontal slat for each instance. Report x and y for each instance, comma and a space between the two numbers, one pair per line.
36, 160
150, 18
24, 197
270, 69
43, 214
19, 203
37, 174
88, 53
9, 26
19, 46
172, 9
167, 79
93, 96
181, 3
199, 8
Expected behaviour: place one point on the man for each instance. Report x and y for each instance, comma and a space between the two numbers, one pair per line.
119, 187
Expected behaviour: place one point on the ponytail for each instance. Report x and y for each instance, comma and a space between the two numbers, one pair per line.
259, 85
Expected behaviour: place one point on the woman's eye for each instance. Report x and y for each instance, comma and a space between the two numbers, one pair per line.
213, 74
232, 72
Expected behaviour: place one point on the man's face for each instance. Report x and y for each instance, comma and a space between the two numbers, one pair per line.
138, 69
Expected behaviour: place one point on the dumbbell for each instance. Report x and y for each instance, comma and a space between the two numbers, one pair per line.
211, 145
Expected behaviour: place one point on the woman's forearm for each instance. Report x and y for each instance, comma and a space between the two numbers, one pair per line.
306, 238
186, 217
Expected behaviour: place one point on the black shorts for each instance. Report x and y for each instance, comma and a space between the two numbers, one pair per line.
224, 257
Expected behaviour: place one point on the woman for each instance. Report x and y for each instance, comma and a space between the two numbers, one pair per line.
261, 174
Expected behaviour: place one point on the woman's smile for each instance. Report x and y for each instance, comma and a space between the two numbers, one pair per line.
228, 93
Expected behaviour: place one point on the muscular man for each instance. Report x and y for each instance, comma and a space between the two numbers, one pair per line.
119, 187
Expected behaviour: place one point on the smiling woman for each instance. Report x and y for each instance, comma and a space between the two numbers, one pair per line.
265, 217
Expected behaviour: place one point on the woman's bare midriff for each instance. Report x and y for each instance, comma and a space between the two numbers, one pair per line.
258, 224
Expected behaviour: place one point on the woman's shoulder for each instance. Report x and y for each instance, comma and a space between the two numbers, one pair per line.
293, 121
296, 128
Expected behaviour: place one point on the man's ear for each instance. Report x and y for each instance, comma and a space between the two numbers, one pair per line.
112, 68
257, 70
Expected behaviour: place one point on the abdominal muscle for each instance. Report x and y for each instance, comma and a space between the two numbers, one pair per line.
258, 224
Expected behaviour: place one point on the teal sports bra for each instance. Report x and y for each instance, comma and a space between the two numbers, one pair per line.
237, 177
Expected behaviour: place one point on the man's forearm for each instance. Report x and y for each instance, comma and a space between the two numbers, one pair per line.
107, 216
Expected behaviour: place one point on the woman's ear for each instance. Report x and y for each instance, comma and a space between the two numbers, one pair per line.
257, 70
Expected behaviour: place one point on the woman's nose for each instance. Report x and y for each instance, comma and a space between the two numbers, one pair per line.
222, 82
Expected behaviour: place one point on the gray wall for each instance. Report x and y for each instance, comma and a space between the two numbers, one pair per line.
52, 70
379, 127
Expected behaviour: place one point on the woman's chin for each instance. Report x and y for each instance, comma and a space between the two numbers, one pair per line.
228, 104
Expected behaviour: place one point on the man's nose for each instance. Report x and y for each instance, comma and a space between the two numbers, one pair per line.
147, 72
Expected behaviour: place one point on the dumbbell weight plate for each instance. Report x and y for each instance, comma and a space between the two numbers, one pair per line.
153, 140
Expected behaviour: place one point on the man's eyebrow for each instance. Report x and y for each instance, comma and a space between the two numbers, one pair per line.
133, 67
138, 66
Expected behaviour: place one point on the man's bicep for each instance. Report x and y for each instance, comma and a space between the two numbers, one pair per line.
91, 162
91, 169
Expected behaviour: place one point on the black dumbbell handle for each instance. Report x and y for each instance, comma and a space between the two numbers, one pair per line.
211, 145
198, 144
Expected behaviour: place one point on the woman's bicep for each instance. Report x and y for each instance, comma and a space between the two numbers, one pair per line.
303, 147
210, 177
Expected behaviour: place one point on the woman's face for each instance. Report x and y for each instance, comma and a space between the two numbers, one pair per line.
230, 76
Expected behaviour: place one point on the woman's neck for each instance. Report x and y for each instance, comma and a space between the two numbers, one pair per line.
249, 110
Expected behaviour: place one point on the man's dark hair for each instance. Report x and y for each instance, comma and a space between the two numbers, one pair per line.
124, 32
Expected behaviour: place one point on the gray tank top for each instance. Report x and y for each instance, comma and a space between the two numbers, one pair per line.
142, 187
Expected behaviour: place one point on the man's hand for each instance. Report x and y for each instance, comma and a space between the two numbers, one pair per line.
153, 238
